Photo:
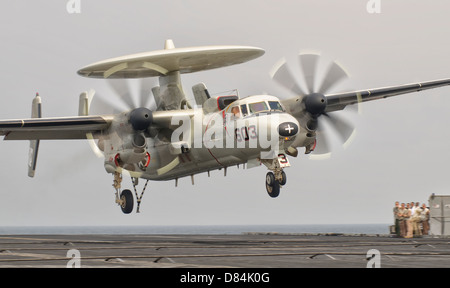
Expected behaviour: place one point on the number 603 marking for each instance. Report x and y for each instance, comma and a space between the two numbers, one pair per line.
245, 133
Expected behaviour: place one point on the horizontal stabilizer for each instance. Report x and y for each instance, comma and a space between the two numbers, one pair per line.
56, 128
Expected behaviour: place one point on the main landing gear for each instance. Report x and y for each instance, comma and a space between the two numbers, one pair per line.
125, 199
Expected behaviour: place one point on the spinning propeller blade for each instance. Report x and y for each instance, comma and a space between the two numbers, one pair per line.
308, 63
145, 92
284, 77
343, 128
121, 89
335, 74
101, 106
140, 117
314, 100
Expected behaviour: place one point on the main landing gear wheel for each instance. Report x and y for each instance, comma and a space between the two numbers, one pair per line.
272, 185
127, 201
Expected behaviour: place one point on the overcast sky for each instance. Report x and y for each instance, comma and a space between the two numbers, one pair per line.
400, 151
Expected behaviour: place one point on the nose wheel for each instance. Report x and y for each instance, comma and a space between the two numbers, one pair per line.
275, 178
275, 182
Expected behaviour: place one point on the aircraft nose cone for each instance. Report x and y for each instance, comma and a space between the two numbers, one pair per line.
287, 129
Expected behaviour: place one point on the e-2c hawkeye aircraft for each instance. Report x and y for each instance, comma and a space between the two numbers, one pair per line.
180, 138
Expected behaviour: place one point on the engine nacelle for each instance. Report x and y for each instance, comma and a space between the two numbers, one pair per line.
136, 141
134, 152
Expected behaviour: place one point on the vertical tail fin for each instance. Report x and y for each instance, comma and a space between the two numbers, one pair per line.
36, 112
201, 93
85, 102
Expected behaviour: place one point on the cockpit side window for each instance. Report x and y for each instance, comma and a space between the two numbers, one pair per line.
244, 110
236, 112
257, 107
275, 105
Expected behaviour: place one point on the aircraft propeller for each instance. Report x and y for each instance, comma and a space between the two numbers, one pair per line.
129, 100
140, 117
313, 100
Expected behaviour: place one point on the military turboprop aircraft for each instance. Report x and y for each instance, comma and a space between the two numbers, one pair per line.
180, 138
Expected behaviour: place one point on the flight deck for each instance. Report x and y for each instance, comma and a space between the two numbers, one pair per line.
246, 250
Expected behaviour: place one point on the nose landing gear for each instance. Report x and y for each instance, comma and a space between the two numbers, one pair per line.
274, 183
276, 178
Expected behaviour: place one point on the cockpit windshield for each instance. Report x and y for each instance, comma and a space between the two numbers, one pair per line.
275, 105
257, 107
262, 106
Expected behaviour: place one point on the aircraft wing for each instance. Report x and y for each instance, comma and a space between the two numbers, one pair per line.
62, 128
57, 128
340, 100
